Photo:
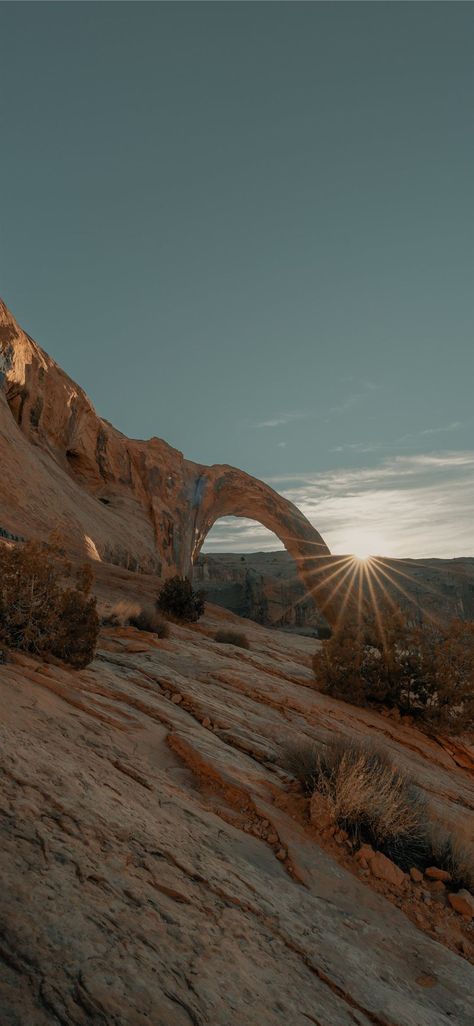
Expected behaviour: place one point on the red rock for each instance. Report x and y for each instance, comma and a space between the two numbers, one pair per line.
416, 875
176, 699
463, 902
281, 854
384, 869
433, 873
366, 852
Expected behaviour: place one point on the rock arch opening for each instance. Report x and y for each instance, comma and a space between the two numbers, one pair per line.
245, 568
226, 492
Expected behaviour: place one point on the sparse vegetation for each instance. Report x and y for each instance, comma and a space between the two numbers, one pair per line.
132, 614
177, 598
456, 856
228, 637
39, 611
120, 614
377, 804
425, 670
149, 620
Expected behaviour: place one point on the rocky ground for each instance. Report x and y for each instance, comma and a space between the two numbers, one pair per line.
159, 867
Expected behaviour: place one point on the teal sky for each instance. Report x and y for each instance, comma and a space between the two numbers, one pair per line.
248, 229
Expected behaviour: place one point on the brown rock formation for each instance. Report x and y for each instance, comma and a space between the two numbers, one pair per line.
138, 504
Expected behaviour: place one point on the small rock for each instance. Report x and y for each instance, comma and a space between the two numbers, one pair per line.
433, 873
176, 699
206, 722
416, 875
463, 902
272, 838
426, 896
438, 887
366, 852
384, 869
281, 854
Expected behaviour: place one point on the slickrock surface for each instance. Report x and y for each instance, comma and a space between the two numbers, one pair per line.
156, 870
137, 504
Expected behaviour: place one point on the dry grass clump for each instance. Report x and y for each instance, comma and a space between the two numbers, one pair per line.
425, 670
120, 614
40, 612
149, 620
227, 637
369, 797
456, 855
301, 759
132, 614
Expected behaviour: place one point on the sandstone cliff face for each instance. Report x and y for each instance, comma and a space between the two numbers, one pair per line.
263, 586
138, 504
266, 587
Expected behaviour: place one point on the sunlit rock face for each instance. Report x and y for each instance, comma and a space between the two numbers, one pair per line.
137, 504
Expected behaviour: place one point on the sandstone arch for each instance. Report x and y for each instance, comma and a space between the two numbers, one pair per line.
140, 504
225, 491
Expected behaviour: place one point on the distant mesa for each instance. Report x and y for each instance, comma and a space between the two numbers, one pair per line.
136, 504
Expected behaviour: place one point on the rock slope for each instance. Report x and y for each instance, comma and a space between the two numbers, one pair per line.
155, 865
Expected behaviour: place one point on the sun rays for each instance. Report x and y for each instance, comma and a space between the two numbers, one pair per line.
361, 584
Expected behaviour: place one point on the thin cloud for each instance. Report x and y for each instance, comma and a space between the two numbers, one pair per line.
283, 418
455, 426
416, 505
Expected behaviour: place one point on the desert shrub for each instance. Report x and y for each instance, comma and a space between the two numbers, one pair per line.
455, 855
301, 759
369, 797
177, 598
39, 611
120, 614
426, 670
232, 638
149, 620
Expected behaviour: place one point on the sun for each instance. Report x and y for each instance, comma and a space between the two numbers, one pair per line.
362, 555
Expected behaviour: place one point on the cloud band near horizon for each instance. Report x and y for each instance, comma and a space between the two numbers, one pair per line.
415, 506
